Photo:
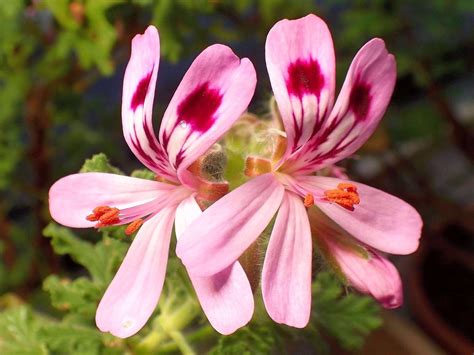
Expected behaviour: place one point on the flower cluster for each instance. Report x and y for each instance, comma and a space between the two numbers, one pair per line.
350, 223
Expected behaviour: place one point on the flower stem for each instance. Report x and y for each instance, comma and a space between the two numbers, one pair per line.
169, 325
182, 343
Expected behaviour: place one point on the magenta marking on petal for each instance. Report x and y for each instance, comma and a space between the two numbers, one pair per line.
359, 100
198, 108
305, 77
150, 135
140, 92
136, 144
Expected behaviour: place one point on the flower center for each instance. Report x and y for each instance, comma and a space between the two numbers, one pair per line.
257, 166
345, 195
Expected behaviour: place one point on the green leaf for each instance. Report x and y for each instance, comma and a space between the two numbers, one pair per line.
78, 296
62, 12
101, 259
75, 339
143, 174
99, 163
19, 332
251, 340
349, 318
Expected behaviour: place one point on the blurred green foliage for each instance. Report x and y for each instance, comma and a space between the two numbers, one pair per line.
178, 323
61, 65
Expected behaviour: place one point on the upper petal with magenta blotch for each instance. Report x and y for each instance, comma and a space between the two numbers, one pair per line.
213, 94
363, 99
137, 103
301, 65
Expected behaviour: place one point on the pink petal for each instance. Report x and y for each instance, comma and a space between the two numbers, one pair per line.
133, 294
215, 91
300, 62
286, 275
227, 228
137, 103
375, 275
361, 104
382, 221
72, 198
226, 297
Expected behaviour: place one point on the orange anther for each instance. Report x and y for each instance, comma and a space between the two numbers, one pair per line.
92, 217
134, 226
345, 195
109, 218
99, 211
347, 186
308, 200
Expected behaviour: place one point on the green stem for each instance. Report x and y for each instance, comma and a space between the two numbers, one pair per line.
151, 342
180, 318
205, 333
170, 326
182, 343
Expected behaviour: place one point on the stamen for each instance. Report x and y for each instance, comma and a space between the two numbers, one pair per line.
104, 216
347, 186
308, 200
99, 211
92, 217
257, 166
109, 218
345, 195
133, 227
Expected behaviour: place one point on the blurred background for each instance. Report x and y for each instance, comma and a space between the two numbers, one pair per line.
61, 71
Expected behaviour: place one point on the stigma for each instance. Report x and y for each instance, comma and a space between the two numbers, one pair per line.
345, 195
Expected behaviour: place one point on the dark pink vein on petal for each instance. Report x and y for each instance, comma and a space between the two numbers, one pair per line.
359, 103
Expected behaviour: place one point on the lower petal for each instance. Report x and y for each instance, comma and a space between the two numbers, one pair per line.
226, 229
286, 277
74, 197
226, 297
372, 275
380, 220
133, 294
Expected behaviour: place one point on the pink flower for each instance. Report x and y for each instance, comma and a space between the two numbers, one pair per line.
354, 222
212, 95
